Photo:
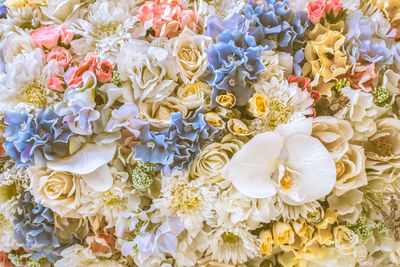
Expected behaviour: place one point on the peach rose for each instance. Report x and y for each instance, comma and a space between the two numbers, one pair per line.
57, 83
62, 55
316, 10
74, 79
47, 37
190, 19
362, 77
104, 71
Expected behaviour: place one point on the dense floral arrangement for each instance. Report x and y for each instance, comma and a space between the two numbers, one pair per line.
199, 133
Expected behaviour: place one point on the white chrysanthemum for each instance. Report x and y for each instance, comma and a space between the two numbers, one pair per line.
110, 203
108, 25
287, 103
222, 8
232, 207
21, 18
25, 82
7, 240
13, 181
192, 201
232, 245
351, 5
78, 255
292, 212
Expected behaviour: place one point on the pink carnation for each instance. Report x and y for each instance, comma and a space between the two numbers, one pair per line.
316, 10
57, 83
104, 71
62, 55
47, 37
334, 6
89, 64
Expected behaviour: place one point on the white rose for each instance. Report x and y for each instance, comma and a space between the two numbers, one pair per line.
59, 191
192, 95
189, 54
345, 239
61, 10
158, 114
149, 69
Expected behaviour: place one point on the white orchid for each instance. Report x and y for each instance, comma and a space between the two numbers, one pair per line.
287, 162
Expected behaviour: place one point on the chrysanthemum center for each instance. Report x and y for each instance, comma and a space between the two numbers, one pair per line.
185, 198
230, 237
34, 93
279, 113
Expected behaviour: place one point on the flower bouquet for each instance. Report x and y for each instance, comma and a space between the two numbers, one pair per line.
209, 133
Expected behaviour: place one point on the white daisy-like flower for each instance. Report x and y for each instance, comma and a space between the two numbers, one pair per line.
25, 82
7, 239
108, 25
191, 201
232, 245
29, 17
78, 255
311, 210
287, 103
222, 8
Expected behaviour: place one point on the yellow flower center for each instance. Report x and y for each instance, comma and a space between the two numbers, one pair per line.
382, 146
34, 93
279, 113
185, 198
230, 237
111, 199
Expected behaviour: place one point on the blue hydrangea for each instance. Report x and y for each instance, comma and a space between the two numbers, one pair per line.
363, 42
35, 138
274, 25
185, 137
154, 149
34, 228
3, 9
233, 59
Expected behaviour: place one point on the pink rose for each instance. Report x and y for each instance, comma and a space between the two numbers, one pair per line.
334, 6
316, 10
47, 37
57, 83
303, 82
89, 64
62, 55
104, 71
190, 19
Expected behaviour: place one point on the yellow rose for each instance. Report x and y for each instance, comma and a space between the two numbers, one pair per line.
238, 127
227, 100
258, 105
324, 228
345, 239
266, 242
283, 234
214, 120
192, 95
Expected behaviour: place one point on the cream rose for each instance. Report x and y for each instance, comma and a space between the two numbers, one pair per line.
334, 134
60, 191
345, 239
61, 10
188, 50
350, 170
192, 95
149, 68
213, 158
383, 147
266, 242
158, 114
